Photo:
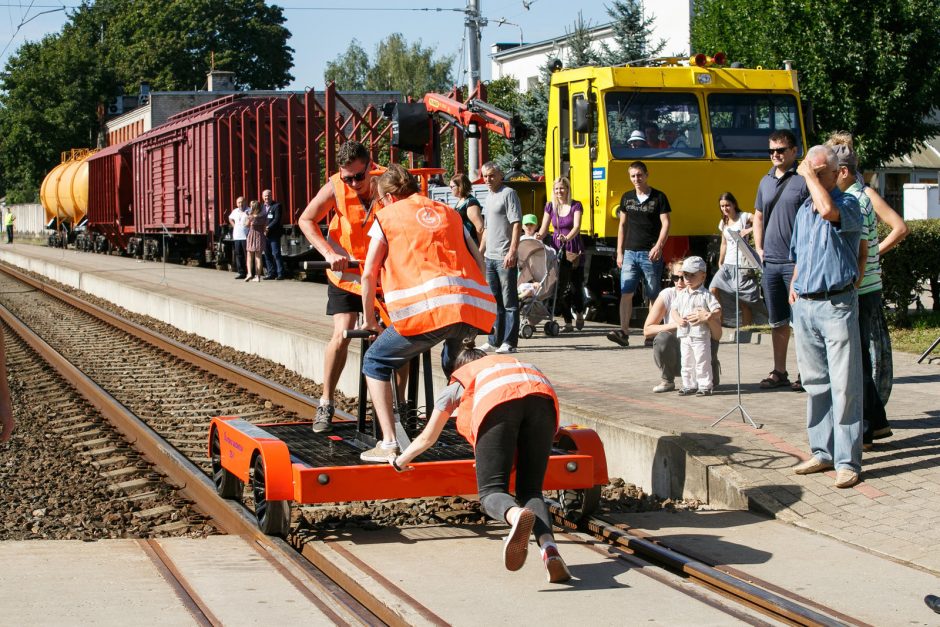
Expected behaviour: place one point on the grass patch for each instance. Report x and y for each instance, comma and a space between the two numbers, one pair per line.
924, 330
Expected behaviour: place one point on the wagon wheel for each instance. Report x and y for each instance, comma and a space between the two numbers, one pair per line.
552, 329
527, 331
273, 516
576, 505
227, 485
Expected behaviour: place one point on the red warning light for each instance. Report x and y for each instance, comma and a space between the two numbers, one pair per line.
700, 59
720, 58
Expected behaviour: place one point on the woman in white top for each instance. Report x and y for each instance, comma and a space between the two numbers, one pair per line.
733, 219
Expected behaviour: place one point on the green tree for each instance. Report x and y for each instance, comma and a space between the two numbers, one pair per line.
632, 34
410, 69
504, 94
171, 44
580, 44
349, 70
51, 91
869, 68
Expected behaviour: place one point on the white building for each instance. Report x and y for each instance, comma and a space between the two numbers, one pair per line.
523, 61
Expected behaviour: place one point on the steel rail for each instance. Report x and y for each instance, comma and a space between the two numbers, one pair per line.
770, 603
274, 392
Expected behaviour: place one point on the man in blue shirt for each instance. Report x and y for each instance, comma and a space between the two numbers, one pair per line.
824, 302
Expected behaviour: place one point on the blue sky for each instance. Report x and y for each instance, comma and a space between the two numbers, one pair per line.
322, 29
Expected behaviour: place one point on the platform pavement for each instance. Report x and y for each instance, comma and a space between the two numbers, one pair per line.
661, 442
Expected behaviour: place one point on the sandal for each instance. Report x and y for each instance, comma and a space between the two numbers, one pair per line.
797, 386
775, 379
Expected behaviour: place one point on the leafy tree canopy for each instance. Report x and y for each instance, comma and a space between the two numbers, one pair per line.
51, 90
398, 66
869, 68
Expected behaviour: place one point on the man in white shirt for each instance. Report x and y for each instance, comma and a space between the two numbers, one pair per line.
238, 219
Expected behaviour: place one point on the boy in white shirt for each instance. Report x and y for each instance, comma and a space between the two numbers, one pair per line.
690, 311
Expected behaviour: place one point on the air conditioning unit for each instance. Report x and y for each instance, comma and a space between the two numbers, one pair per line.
116, 106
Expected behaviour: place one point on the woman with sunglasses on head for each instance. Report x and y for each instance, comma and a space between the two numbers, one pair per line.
434, 285
663, 331
467, 205
257, 241
730, 260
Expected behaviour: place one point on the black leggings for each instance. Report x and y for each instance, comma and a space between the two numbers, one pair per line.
521, 430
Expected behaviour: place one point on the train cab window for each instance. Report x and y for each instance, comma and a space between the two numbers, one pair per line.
741, 123
653, 125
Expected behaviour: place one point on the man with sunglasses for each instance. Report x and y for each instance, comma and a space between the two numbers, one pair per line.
348, 197
274, 262
779, 196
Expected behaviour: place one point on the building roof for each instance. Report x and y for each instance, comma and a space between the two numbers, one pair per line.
925, 156
502, 52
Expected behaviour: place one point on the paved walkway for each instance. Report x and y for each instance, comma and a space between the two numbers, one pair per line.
895, 511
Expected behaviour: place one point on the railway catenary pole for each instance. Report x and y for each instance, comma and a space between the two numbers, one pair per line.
474, 21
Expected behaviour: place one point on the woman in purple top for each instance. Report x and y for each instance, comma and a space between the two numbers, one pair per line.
564, 215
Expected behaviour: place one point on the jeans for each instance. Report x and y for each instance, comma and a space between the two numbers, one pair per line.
502, 282
637, 266
873, 409
776, 283
239, 255
390, 351
273, 262
829, 356
522, 430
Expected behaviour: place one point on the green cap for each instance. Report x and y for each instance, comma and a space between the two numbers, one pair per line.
530, 218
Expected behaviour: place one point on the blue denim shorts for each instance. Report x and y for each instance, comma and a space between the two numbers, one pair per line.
390, 351
776, 284
637, 266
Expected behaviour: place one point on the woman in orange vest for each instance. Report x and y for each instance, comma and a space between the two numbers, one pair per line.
435, 290
508, 411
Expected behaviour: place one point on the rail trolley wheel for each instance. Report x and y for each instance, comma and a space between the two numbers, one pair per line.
576, 505
527, 331
552, 329
273, 516
227, 485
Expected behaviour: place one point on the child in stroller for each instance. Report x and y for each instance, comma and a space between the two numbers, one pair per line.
537, 286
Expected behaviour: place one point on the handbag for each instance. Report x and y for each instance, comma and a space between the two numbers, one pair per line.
573, 258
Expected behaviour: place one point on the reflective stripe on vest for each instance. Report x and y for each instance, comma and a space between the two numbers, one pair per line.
348, 234
430, 278
491, 381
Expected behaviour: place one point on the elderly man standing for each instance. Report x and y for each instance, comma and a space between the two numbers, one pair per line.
824, 246
273, 231
502, 217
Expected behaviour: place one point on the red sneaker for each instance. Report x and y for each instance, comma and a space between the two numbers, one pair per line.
555, 566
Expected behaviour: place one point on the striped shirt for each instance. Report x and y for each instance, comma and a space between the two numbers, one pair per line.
872, 279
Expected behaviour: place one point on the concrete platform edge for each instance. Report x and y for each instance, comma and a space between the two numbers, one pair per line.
660, 462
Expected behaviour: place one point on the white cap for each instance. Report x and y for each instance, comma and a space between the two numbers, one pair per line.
637, 136
693, 264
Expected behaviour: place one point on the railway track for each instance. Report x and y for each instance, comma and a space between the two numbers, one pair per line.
151, 382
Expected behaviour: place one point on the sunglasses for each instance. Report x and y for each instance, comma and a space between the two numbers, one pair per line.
677, 277
357, 178
779, 151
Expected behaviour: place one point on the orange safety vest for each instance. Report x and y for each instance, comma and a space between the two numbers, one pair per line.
348, 235
430, 279
494, 380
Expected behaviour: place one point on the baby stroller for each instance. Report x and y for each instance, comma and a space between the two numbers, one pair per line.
538, 287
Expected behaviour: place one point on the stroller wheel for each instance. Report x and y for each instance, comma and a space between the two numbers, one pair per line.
552, 329
527, 331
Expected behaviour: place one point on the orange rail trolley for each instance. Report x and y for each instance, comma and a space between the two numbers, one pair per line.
288, 462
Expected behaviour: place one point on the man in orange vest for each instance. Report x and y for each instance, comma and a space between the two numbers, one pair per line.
508, 411
434, 286
349, 196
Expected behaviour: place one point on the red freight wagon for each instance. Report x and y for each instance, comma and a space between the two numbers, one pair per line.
109, 222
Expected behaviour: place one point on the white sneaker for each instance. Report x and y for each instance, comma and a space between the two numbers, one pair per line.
667, 385
506, 348
487, 348
380, 454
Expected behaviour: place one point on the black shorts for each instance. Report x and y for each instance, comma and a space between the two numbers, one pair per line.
340, 301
